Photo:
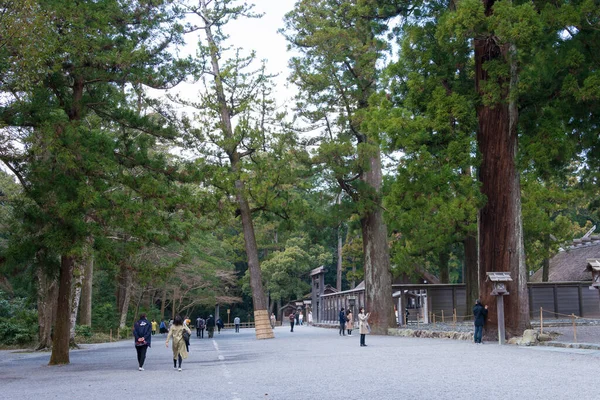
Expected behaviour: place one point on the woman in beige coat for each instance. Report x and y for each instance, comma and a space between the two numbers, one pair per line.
349, 323
179, 348
363, 325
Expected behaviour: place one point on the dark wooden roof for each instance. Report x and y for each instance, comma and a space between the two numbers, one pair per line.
570, 264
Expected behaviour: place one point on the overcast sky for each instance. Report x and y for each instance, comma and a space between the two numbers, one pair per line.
261, 36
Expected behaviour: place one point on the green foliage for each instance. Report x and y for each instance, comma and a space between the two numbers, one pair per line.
286, 272
84, 331
18, 322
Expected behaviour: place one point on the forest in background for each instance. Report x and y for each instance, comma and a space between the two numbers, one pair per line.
427, 135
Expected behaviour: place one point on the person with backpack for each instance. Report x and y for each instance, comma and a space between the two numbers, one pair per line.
200, 327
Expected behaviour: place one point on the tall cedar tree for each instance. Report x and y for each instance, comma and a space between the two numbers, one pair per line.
340, 44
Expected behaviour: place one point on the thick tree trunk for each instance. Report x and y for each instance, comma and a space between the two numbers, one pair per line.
46, 304
378, 276
444, 257
78, 271
471, 275
501, 246
85, 306
60, 338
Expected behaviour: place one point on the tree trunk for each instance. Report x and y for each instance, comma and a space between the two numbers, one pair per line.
471, 275
501, 247
60, 338
85, 306
126, 296
163, 301
378, 276
78, 271
339, 260
444, 256
46, 304
546, 261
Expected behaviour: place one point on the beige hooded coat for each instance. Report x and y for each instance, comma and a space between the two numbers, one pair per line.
176, 332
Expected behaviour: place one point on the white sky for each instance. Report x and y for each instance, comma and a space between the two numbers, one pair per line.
259, 35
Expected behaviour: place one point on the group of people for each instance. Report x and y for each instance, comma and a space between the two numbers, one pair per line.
347, 324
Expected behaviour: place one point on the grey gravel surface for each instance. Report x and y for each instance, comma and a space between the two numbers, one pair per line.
311, 363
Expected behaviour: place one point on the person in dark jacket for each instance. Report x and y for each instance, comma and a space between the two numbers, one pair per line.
479, 315
142, 334
342, 322
220, 325
200, 323
210, 326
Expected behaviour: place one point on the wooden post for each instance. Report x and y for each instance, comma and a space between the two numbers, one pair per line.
541, 320
574, 328
454, 319
434, 320
443, 316
501, 327
418, 322
118, 333
110, 335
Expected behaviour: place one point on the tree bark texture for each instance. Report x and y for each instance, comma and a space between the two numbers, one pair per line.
60, 341
471, 275
46, 305
78, 271
126, 290
85, 306
339, 260
378, 276
501, 247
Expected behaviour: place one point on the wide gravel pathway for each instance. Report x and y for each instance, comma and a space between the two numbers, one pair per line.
311, 363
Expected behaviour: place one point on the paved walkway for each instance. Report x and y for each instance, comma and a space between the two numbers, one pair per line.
311, 363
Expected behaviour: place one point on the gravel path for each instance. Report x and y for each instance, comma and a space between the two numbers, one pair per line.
311, 363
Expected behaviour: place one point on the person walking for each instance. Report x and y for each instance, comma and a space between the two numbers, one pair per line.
236, 322
200, 327
301, 318
479, 315
292, 319
163, 327
179, 347
220, 325
154, 326
210, 326
273, 320
342, 317
310, 320
142, 334
363, 326
349, 322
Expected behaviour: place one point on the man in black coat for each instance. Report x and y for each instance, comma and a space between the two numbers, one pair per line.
479, 315
210, 326
342, 322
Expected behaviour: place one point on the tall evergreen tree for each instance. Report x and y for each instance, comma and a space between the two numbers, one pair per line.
340, 45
